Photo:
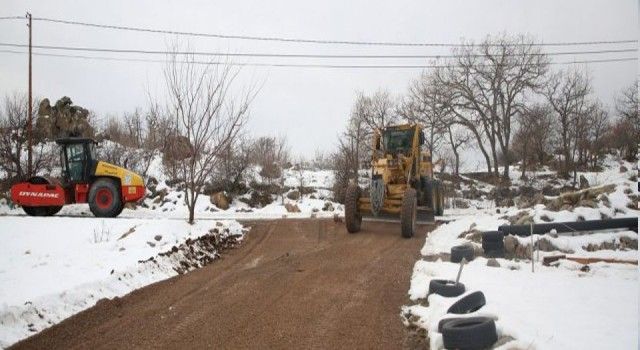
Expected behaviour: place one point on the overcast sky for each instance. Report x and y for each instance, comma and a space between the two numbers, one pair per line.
309, 106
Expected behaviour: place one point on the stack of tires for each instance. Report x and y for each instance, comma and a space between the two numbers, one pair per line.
464, 332
493, 244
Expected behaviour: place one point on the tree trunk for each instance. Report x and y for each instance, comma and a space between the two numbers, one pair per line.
507, 163
191, 215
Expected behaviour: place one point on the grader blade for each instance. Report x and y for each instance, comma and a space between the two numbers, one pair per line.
424, 215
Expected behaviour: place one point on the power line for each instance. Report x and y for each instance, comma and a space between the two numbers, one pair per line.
227, 54
312, 41
12, 17
293, 65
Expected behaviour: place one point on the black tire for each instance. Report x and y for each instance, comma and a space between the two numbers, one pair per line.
492, 236
468, 304
53, 210
408, 213
446, 288
36, 211
120, 210
352, 216
469, 333
442, 322
105, 199
462, 251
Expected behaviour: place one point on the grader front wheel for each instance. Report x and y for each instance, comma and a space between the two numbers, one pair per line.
352, 216
408, 213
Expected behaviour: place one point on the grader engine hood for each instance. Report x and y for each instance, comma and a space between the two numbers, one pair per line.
132, 184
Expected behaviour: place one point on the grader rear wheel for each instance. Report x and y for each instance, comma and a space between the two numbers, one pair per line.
352, 216
408, 213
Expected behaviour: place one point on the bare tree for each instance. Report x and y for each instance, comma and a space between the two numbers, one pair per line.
598, 126
488, 85
234, 164
207, 115
272, 155
13, 139
299, 168
377, 111
135, 129
458, 137
353, 147
567, 93
532, 128
424, 104
627, 110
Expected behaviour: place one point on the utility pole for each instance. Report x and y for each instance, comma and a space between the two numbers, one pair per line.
30, 107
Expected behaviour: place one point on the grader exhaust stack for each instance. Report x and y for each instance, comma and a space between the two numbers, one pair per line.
402, 183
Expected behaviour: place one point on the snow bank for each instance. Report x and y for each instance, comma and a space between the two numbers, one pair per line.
52, 268
555, 307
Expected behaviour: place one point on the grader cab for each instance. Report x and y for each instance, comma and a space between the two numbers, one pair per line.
402, 183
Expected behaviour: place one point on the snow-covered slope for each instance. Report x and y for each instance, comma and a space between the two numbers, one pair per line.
52, 268
563, 306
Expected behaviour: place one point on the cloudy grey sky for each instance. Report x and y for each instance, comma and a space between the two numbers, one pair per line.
309, 106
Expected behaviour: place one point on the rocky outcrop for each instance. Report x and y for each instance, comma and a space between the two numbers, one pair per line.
61, 120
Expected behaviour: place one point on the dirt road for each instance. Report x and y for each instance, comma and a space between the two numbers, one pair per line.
292, 284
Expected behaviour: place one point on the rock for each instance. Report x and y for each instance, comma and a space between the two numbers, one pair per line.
315, 210
292, 208
151, 244
623, 169
587, 203
460, 203
493, 263
549, 190
293, 195
328, 206
522, 218
628, 243
585, 268
530, 201
506, 202
567, 207
522, 252
61, 120
157, 237
220, 200
545, 218
545, 245
583, 182
527, 191
510, 244
477, 250
605, 200
471, 235
472, 193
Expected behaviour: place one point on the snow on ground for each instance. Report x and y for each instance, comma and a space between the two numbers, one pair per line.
555, 307
52, 268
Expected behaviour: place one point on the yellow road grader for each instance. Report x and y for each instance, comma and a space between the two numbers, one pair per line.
402, 182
